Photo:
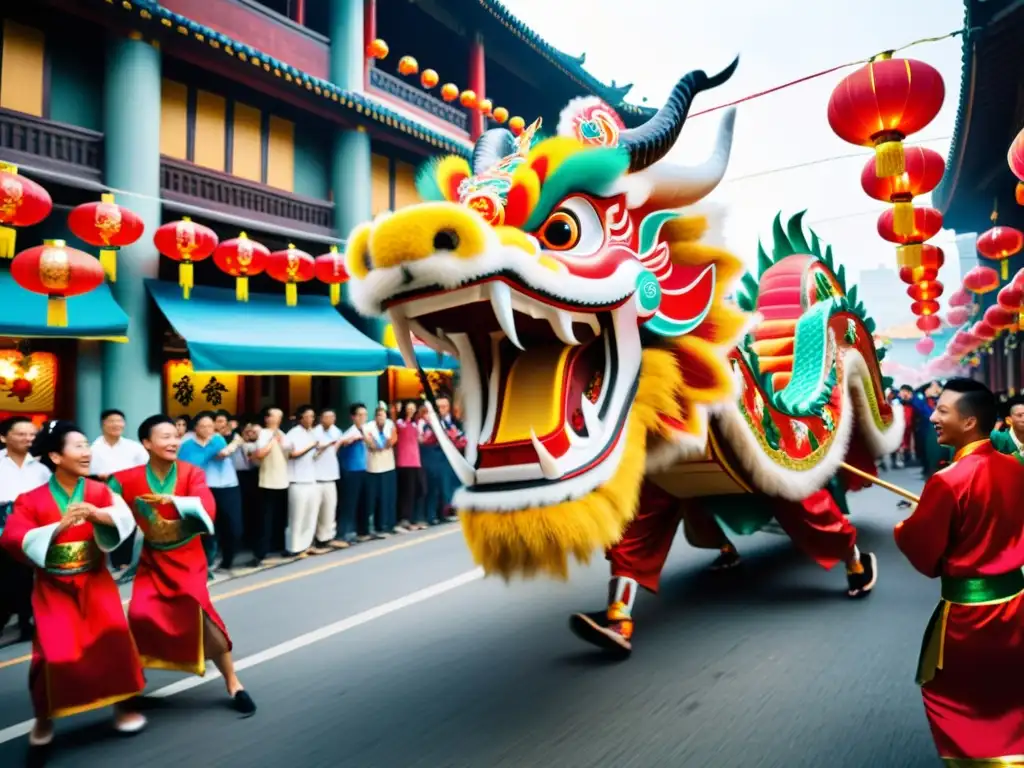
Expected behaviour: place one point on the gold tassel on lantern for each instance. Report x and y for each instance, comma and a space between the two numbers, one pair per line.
56, 312
291, 294
108, 260
7, 237
1004, 269
1018, 193
889, 159
242, 289
909, 255
903, 218
186, 278
335, 292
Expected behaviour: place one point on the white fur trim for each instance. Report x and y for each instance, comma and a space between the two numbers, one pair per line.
450, 272
567, 117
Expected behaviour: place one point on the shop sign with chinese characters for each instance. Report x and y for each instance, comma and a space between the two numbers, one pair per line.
188, 393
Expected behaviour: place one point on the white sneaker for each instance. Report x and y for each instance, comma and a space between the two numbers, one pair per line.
131, 725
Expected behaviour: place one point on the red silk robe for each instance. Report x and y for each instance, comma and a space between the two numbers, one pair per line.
83, 656
170, 595
970, 524
816, 525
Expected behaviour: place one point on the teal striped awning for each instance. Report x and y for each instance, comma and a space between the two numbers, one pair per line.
264, 336
94, 315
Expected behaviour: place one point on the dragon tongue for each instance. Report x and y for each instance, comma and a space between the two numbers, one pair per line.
535, 394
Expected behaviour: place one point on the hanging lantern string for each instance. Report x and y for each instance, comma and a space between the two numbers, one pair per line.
837, 68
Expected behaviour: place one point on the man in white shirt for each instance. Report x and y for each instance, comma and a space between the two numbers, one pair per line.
303, 492
19, 473
328, 473
271, 452
113, 452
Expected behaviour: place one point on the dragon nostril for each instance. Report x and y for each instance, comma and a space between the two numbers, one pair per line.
446, 240
367, 260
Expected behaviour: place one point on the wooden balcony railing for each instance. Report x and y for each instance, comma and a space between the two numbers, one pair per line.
190, 184
417, 97
66, 149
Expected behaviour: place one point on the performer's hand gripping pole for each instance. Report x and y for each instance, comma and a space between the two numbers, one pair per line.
881, 483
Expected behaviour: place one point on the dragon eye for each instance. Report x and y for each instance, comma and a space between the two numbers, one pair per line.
574, 229
561, 232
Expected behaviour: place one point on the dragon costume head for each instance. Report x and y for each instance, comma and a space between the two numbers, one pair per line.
589, 322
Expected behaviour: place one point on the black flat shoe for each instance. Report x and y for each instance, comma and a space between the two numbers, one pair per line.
243, 702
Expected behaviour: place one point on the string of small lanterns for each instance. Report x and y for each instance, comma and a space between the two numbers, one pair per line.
879, 106
449, 92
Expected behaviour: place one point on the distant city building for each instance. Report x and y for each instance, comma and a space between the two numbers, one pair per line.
884, 296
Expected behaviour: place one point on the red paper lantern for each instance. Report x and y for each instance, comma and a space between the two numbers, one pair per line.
330, 269
485, 106
958, 316
960, 298
911, 275
1000, 244
915, 255
22, 204
1011, 298
500, 115
924, 169
983, 331
429, 78
981, 280
927, 290
241, 258
882, 103
517, 125
1015, 159
999, 318
926, 224
56, 271
921, 308
929, 323
185, 242
378, 49
925, 346
468, 99
107, 226
407, 65
449, 91
291, 267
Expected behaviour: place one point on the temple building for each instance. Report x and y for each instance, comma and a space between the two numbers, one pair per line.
279, 119
978, 184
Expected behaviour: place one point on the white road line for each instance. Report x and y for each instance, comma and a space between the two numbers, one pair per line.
296, 643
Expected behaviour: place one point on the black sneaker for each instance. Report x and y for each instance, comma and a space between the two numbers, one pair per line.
861, 584
729, 558
243, 702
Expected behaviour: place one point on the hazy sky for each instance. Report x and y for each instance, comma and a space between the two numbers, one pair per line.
651, 43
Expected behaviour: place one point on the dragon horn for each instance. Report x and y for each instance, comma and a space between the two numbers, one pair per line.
650, 142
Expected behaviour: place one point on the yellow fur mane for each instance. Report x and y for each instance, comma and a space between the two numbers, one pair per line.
674, 380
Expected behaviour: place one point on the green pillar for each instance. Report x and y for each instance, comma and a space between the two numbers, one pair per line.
131, 124
89, 387
346, 28
350, 182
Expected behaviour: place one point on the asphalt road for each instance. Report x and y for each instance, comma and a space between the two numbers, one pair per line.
397, 655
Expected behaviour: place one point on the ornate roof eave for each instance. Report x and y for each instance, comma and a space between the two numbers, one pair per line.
362, 108
942, 195
571, 66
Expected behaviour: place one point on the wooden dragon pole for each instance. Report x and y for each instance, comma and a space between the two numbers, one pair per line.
881, 483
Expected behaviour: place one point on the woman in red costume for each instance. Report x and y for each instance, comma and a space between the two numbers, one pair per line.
968, 531
171, 614
83, 657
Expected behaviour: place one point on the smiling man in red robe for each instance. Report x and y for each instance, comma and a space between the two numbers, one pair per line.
171, 615
968, 531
